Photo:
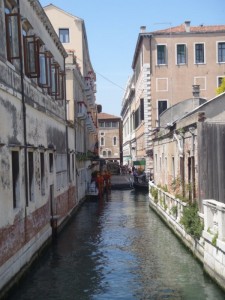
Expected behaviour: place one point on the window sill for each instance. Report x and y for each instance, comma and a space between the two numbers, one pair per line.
200, 64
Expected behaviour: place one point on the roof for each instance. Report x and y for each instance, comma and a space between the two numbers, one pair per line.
181, 29
106, 116
193, 29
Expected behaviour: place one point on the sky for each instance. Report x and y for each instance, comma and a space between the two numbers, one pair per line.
113, 26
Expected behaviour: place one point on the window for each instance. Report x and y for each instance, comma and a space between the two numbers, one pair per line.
181, 54
156, 163
69, 167
220, 81
31, 56
73, 166
161, 54
13, 36
114, 141
199, 54
50, 162
31, 175
138, 65
61, 88
173, 168
55, 79
221, 52
142, 115
109, 153
102, 141
162, 105
15, 178
64, 35
42, 168
61, 165
45, 68
104, 153
115, 124
136, 119
101, 124
107, 124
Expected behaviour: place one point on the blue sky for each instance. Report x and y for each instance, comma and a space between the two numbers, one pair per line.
112, 30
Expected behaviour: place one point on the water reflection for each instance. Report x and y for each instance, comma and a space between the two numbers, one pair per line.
117, 249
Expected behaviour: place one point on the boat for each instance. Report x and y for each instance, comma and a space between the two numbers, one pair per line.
93, 192
141, 182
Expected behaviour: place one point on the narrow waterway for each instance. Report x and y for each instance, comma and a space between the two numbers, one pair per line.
117, 249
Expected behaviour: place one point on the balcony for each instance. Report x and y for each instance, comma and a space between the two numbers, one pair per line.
81, 110
90, 123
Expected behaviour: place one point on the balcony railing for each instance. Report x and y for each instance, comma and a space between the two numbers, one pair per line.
81, 110
90, 123
167, 202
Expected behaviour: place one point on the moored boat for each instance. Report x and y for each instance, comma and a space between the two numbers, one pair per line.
141, 182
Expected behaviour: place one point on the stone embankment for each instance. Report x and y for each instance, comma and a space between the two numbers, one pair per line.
210, 247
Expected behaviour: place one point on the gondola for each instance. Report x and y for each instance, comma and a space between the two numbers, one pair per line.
141, 182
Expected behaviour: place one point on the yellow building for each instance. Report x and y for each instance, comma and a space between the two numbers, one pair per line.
80, 89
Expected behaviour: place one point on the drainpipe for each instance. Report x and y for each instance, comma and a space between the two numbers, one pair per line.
66, 125
150, 46
24, 123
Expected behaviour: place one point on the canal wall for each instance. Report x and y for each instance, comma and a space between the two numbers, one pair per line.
17, 265
210, 248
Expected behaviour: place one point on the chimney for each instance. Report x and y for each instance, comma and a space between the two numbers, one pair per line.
187, 25
143, 29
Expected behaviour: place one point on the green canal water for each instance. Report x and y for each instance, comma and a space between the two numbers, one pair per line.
117, 249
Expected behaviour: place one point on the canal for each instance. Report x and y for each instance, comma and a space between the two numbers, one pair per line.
117, 249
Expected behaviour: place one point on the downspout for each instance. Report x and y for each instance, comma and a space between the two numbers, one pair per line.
66, 124
150, 51
24, 124
192, 132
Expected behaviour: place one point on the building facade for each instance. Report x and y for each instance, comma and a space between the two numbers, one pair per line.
81, 89
37, 172
188, 155
48, 134
110, 137
166, 64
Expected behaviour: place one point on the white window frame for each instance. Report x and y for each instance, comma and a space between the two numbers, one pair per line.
158, 105
102, 138
166, 56
176, 53
217, 80
67, 40
199, 63
217, 50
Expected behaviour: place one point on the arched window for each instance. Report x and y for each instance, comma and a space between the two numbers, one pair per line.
114, 141
102, 141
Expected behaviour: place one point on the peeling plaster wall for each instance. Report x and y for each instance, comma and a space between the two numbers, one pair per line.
25, 227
